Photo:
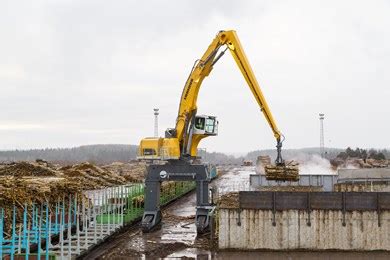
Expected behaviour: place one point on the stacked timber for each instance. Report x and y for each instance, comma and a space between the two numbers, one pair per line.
261, 162
288, 172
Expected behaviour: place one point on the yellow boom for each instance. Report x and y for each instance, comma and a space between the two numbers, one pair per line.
182, 141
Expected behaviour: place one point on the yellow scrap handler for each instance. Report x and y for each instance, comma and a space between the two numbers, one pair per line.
182, 141
176, 153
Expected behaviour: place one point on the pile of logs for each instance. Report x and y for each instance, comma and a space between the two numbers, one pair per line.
34, 182
132, 172
92, 176
27, 190
289, 172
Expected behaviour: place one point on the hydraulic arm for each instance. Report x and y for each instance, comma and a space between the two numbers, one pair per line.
178, 148
182, 141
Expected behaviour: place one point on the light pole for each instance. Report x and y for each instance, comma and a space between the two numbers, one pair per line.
322, 146
156, 113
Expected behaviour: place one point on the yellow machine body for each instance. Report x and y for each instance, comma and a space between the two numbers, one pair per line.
159, 149
183, 140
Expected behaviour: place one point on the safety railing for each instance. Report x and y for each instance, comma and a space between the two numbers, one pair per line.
66, 228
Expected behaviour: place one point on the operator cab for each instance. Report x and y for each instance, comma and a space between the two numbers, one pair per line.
206, 125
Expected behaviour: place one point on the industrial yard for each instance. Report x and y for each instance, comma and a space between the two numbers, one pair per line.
194, 129
105, 203
63, 211
177, 236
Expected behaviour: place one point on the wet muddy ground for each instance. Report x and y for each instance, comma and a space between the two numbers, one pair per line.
177, 236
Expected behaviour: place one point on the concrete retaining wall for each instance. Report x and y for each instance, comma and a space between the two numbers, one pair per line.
374, 173
325, 182
252, 229
363, 186
377, 181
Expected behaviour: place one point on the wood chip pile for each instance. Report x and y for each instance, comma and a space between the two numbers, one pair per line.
28, 182
229, 201
23, 169
91, 176
359, 163
134, 172
22, 190
291, 188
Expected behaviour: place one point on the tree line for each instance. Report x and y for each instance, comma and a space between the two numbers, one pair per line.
364, 154
97, 154
108, 153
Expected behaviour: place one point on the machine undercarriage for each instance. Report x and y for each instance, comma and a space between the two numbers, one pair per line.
176, 171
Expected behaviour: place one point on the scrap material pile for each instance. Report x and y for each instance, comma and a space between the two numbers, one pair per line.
288, 172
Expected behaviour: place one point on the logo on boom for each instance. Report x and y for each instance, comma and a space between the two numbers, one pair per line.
188, 88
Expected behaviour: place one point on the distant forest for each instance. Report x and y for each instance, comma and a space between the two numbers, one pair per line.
364, 154
98, 154
290, 154
108, 153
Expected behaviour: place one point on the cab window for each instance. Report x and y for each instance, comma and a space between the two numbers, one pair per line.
209, 125
199, 123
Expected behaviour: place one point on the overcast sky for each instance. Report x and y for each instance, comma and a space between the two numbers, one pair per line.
88, 72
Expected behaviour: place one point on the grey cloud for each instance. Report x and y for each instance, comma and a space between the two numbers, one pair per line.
91, 71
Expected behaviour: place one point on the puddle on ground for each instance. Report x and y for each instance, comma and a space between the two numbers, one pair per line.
196, 253
178, 231
177, 237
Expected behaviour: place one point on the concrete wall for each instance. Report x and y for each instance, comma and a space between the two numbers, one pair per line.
256, 231
330, 182
325, 182
373, 173
369, 186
